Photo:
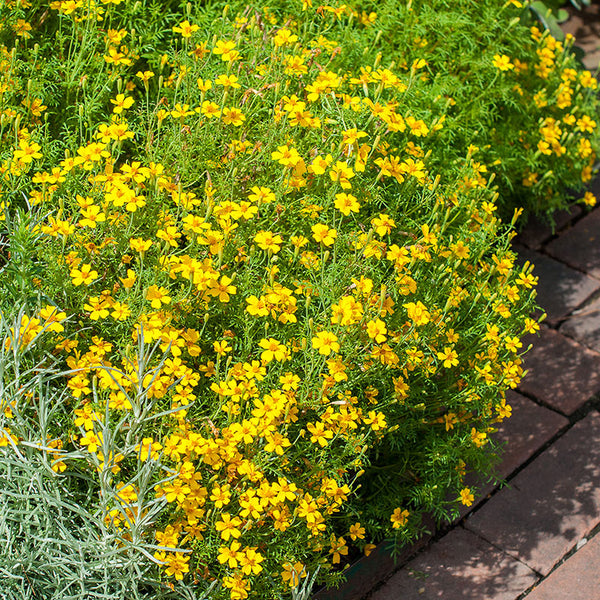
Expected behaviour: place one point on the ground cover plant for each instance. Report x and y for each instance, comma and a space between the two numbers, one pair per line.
256, 313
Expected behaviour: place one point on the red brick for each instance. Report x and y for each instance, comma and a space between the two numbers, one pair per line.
579, 246
525, 432
520, 437
578, 578
584, 325
583, 24
537, 231
551, 504
460, 565
562, 373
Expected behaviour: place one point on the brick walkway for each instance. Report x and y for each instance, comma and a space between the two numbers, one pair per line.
535, 538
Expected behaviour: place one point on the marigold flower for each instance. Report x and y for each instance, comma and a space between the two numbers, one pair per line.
417, 313
268, 241
86, 275
346, 203
293, 573
399, 518
185, 28
502, 62
27, 151
324, 235
466, 497
273, 350
449, 357
228, 527
284, 37
325, 342
288, 157
230, 555
121, 103
233, 116
157, 296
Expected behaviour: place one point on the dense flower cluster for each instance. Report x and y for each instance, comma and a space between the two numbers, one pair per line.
281, 320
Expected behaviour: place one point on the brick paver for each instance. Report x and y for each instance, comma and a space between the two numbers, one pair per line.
585, 26
551, 504
537, 231
579, 247
584, 325
578, 578
459, 566
561, 289
520, 437
562, 373
527, 430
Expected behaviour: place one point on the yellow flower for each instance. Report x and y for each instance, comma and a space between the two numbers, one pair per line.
325, 342
357, 531
417, 313
157, 296
210, 109
181, 111
449, 356
90, 216
121, 103
177, 562
343, 173
227, 50
227, 81
228, 527
383, 224
145, 76
230, 555
320, 434
128, 281
91, 440
338, 548
399, 518
222, 348
346, 203
512, 343
261, 195
293, 573
257, 306
272, 350
85, 275
479, 438
284, 37
185, 28
376, 330
466, 497
250, 561
319, 164
288, 157
502, 62
204, 84
140, 245
268, 241
27, 151
324, 235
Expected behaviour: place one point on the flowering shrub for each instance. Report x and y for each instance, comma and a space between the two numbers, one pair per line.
281, 323
508, 88
512, 95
